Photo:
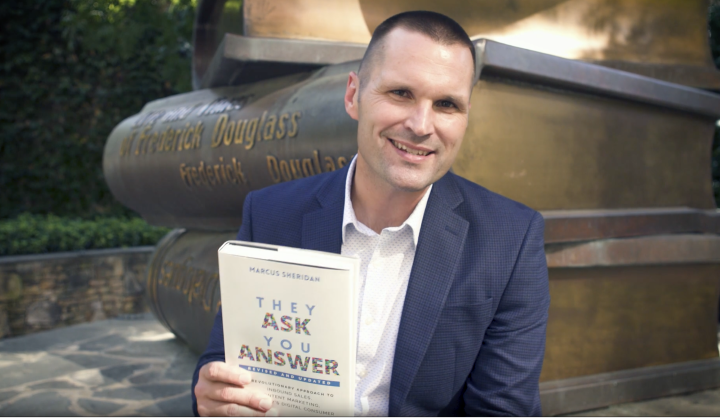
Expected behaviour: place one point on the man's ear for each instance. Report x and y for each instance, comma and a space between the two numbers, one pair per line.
352, 92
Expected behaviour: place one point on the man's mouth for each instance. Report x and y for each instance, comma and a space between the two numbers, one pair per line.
408, 150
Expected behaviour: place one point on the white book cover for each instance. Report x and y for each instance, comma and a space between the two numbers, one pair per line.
290, 318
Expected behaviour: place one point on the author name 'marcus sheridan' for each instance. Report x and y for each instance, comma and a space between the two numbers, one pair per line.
286, 274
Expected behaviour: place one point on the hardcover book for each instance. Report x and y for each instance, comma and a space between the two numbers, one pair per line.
290, 318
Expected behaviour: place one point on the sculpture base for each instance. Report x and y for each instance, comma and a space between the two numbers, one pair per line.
605, 389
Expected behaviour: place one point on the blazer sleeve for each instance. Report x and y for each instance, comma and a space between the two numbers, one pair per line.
215, 350
505, 378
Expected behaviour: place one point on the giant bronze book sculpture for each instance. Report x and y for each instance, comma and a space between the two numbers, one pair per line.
617, 162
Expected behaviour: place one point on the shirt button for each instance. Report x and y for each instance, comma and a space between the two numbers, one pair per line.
369, 321
362, 373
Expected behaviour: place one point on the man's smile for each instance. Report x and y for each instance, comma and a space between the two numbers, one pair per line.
414, 152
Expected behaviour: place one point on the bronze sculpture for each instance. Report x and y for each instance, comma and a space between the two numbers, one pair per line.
617, 163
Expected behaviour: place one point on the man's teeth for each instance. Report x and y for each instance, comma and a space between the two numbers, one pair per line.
408, 150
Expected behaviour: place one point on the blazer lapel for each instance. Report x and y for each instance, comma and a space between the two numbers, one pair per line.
442, 237
321, 228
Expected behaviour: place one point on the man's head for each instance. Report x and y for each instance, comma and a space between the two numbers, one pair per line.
412, 99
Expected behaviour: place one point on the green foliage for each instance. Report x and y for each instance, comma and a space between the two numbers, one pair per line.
71, 71
34, 234
716, 166
714, 29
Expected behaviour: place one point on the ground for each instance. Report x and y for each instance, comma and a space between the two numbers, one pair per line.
135, 367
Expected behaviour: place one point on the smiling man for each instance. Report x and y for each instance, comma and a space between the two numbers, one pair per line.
454, 288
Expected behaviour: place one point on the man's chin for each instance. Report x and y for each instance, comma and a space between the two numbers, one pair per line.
411, 185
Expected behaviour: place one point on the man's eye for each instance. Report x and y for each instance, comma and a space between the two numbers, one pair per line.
446, 103
401, 93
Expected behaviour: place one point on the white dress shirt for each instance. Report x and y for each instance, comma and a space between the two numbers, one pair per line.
385, 263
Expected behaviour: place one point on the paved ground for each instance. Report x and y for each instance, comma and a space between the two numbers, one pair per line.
114, 367
137, 368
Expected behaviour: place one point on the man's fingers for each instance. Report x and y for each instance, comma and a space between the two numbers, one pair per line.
247, 397
218, 371
220, 409
220, 392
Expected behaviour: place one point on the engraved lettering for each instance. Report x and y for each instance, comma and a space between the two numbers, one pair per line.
238, 171
218, 131
142, 141
197, 134
285, 170
126, 144
218, 174
329, 164
281, 126
229, 132
250, 133
240, 131
185, 175
210, 175
295, 168
149, 118
293, 121
178, 140
202, 173
307, 167
228, 173
316, 161
272, 165
260, 127
223, 105
187, 143
153, 142
269, 131
221, 167
167, 141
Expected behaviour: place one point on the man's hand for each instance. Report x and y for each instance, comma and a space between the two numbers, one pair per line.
221, 392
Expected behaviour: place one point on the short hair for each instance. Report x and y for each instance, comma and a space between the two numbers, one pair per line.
436, 26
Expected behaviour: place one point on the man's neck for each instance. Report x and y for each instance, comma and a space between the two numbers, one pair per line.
377, 204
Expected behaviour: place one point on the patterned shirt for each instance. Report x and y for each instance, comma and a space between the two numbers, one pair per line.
385, 263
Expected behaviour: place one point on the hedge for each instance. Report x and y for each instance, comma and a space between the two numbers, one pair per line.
716, 166
70, 71
714, 31
34, 234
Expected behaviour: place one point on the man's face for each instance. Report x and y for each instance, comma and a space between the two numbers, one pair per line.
412, 111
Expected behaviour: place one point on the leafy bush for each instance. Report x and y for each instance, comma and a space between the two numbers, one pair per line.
714, 30
33, 234
70, 71
716, 166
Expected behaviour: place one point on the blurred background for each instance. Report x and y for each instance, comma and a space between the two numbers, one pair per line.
71, 71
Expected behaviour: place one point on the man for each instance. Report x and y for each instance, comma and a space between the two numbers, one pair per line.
454, 297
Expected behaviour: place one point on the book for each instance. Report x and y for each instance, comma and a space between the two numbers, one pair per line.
290, 318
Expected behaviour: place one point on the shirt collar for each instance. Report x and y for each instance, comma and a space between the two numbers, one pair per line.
414, 220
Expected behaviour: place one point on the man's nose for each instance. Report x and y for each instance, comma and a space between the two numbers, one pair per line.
420, 120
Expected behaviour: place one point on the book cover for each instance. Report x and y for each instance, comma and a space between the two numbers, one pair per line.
290, 318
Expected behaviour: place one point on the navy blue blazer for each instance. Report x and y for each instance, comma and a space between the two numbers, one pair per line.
472, 333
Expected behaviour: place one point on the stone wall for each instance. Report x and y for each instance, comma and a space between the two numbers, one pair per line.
39, 292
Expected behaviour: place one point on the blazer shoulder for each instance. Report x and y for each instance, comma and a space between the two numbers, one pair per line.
298, 196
